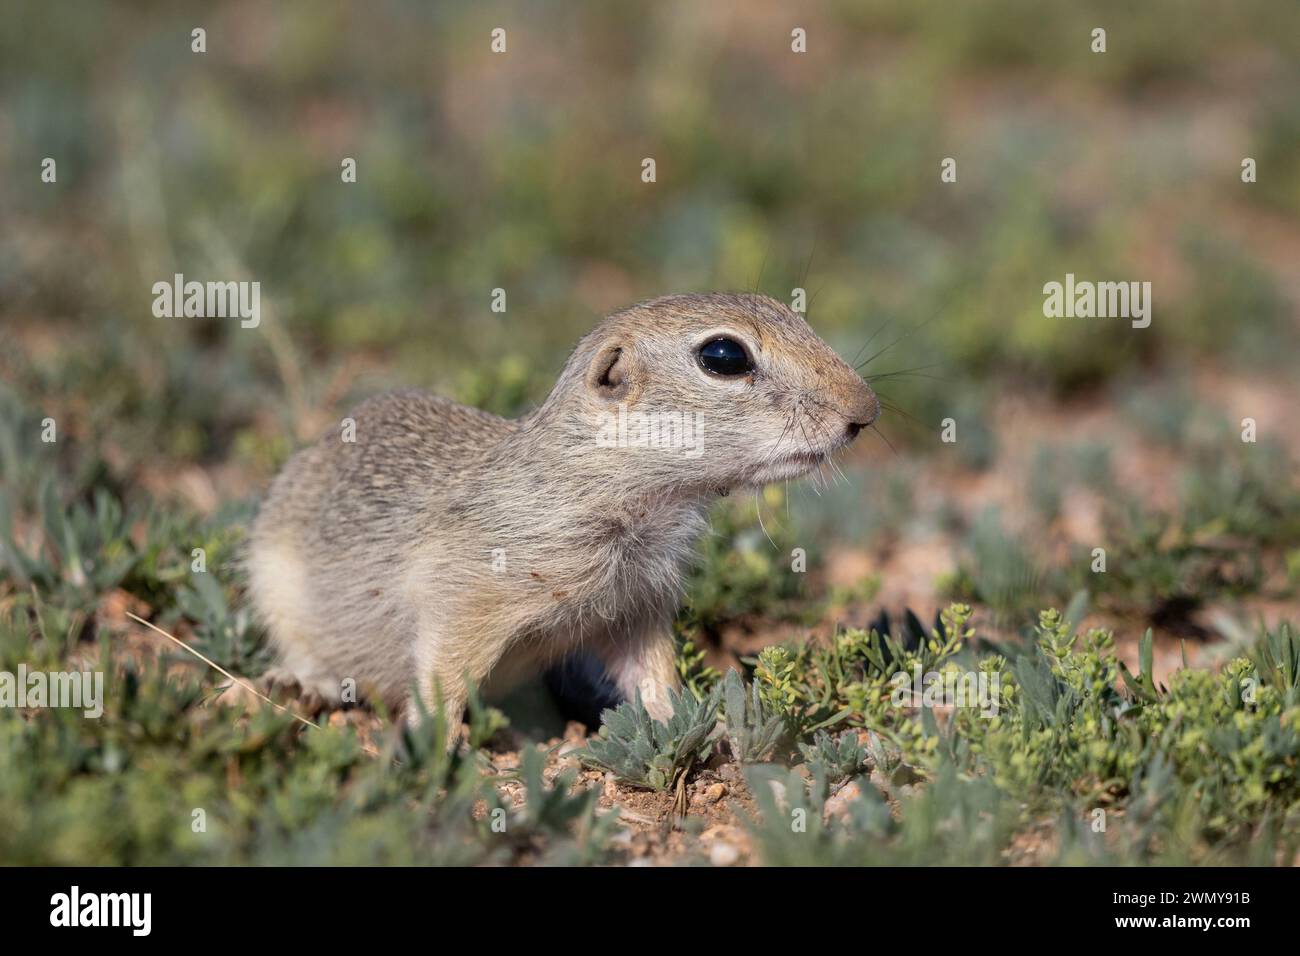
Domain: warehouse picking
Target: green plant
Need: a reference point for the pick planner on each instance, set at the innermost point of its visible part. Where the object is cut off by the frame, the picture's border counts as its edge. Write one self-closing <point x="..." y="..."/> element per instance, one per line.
<point x="125" y="788"/>
<point x="791" y="829"/>
<point x="80" y="552"/>
<point x="649" y="753"/>
<point x="565" y="825"/>
<point x="697" y="676"/>
<point x="485" y="721"/>
<point x="1277" y="656"/>
<point x="222" y="632"/>
<point x="842" y="756"/>
<point x="887" y="760"/>
<point x="851" y="677"/>
<point x="778" y="678"/>
<point x="752" y="729"/>
<point x="744" y="568"/>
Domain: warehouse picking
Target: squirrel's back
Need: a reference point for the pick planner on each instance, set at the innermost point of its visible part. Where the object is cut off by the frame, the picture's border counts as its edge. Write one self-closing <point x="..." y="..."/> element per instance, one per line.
<point x="405" y="450"/>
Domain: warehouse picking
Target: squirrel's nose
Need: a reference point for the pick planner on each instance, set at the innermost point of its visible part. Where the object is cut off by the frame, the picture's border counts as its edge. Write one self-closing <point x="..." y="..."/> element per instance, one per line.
<point x="856" y="400"/>
<point x="865" y="410"/>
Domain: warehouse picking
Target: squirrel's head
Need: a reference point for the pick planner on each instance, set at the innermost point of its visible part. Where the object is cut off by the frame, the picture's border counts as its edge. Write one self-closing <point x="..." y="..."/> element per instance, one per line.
<point x="715" y="390"/>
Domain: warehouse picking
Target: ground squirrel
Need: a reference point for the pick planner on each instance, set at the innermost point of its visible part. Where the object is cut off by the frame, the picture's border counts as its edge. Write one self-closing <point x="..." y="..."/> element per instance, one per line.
<point x="445" y="544"/>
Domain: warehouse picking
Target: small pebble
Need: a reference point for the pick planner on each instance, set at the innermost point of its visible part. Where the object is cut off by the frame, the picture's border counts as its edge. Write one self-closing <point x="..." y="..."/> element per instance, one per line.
<point x="723" y="854"/>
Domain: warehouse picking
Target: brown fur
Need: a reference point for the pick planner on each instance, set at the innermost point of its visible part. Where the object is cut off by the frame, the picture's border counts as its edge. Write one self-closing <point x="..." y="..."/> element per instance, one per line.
<point x="374" y="560"/>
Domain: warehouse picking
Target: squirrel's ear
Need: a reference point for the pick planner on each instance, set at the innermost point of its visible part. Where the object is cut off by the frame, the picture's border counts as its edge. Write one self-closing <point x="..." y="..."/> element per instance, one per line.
<point x="611" y="372"/>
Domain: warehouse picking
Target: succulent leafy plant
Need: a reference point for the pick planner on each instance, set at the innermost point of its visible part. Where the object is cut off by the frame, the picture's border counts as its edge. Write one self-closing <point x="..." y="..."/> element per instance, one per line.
<point x="887" y="760"/>
<point x="82" y="551"/>
<point x="649" y="753"/>
<point x="223" y="631"/>
<point x="840" y="757"/>
<point x="753" y="729"/>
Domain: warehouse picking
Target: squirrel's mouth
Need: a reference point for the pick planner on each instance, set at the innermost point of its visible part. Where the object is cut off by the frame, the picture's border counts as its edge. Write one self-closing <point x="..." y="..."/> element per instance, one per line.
<point x="806" y="459"/>
<point x="793" y="465"/>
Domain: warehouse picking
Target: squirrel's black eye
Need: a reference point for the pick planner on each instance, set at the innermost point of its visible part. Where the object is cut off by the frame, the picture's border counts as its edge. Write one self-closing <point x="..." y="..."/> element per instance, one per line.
<point x="725" y="357"/>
